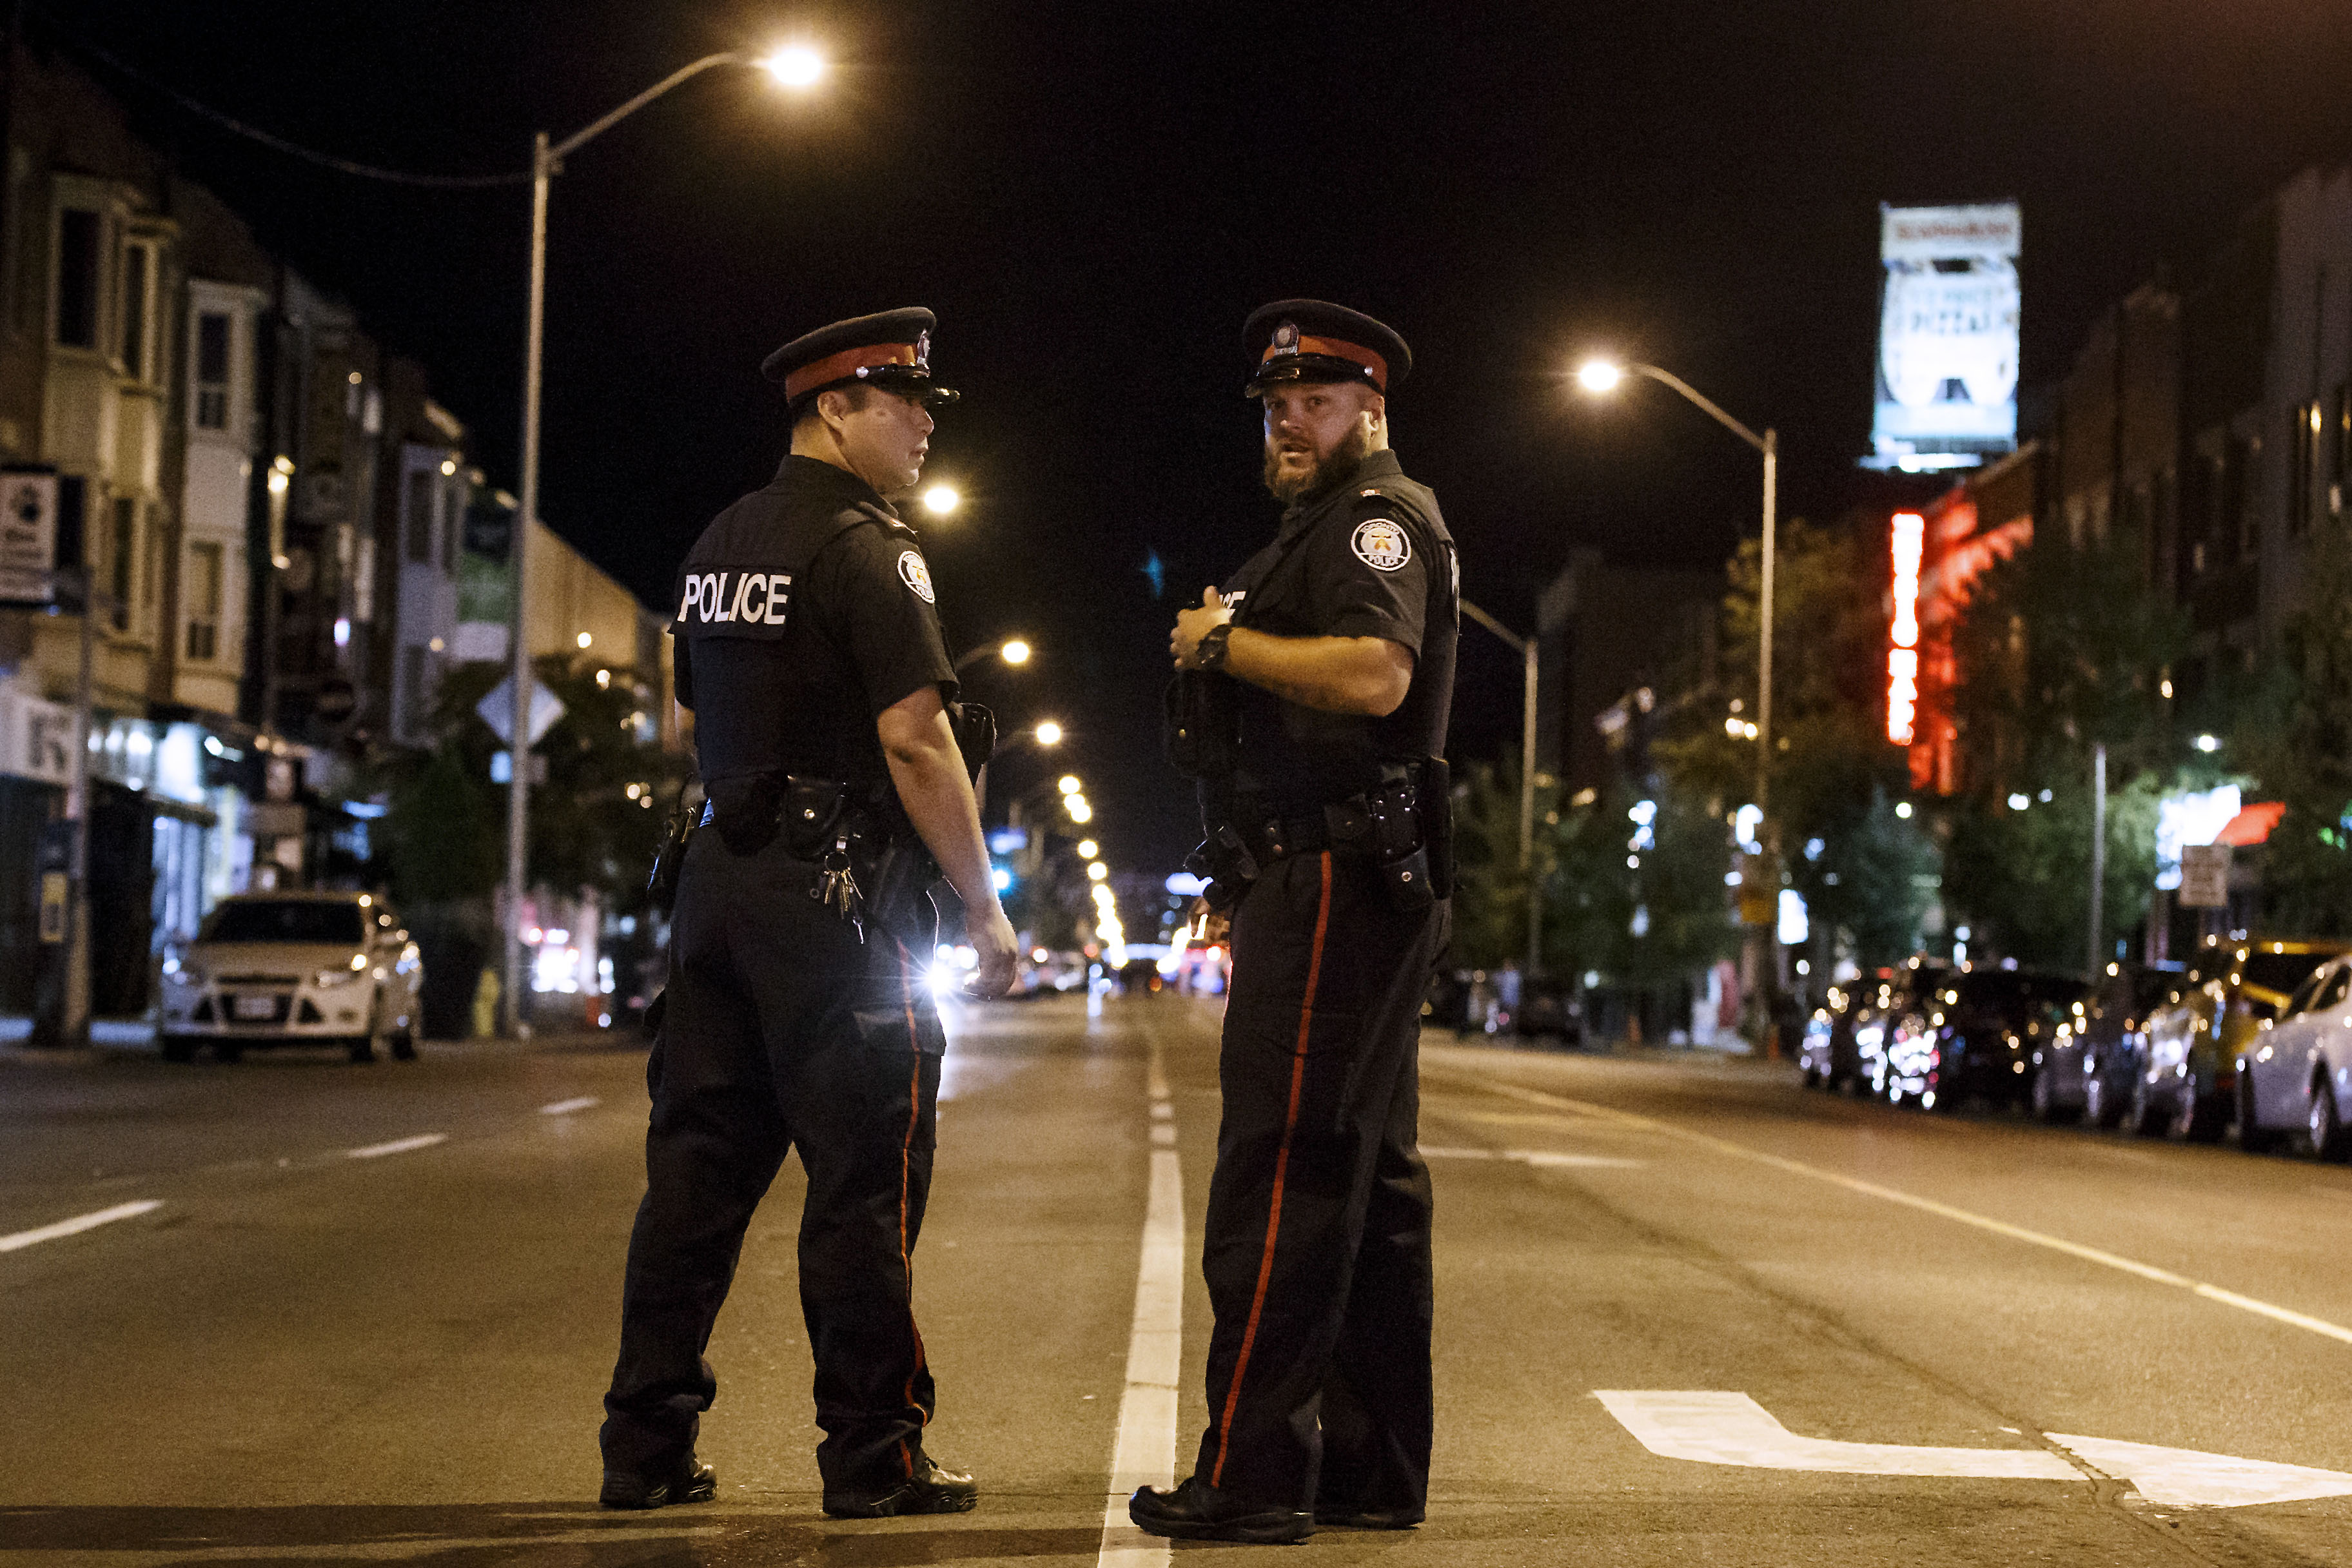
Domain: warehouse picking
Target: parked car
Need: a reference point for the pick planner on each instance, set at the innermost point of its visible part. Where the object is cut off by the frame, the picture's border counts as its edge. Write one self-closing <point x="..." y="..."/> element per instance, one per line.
<point x="1843" y="1042"/>
<point x="1550" y="1010"/>
<point x="1975" y="1033"/>
<point x="2297" y="1072"/>
<point x="2086" y="1071"/>
<point x="272" y="969"/>
<point x="2186" y="1084"/>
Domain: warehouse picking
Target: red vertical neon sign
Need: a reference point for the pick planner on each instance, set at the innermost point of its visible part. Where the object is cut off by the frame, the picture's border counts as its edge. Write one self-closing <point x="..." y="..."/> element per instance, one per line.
<point x="1903" y="657"/>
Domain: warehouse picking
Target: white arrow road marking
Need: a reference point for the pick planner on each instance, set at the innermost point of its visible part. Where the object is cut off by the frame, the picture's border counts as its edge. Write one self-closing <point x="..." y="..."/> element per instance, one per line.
<point x="566" y="1107"/>
<point x="78" y="1224"/>
<point x="1145" y="1453"/>
<point x="1547" y="1159"/>
<point x="2186" y="1477"/>
<point x="1733" y="1429"/>
<point x="1726" y="1428"/>
<point x="2147" y="1272"/>
<point x="397" y="1146"/>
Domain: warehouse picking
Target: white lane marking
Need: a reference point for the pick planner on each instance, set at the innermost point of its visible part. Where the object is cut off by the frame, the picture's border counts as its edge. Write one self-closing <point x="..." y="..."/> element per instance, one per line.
<point x="1717" y="1427"/>
<point x="1145" y="1452"/>
<point x="1549" y="1159"/>
<point x="566" y="1107"/>
<point x="2185" y="1477"/>
<point x="397" y="1146"/>
<point x="1163" y="1135"/>
<point x="1720" y="1428"/>
<point x="1943" y="1211"/>
<point x="80" y="1223"/>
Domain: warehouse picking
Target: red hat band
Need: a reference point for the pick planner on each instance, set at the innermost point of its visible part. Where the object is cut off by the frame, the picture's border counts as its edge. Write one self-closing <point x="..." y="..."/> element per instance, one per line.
<point x="1329" y="348"/>
<point x="843" y="365"/>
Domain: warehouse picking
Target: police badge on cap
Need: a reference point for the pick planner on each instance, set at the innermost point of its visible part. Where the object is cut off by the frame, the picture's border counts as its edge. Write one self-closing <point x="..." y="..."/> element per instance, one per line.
<point x="891" y="350"/>
<point x="1313" y="340"/>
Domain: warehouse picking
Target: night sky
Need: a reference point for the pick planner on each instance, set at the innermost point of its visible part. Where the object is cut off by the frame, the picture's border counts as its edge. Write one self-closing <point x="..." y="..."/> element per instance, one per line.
<point x="1093" y="196"/>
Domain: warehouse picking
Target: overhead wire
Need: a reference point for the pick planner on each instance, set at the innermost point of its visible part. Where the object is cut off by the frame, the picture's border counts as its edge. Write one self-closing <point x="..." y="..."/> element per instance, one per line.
<point x="280" y="144"/>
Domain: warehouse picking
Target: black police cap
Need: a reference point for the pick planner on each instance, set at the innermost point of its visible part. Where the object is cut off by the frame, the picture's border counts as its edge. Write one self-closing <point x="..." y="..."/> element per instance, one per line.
<point x="1313" y="340"/>
<point x="892" y="350"/>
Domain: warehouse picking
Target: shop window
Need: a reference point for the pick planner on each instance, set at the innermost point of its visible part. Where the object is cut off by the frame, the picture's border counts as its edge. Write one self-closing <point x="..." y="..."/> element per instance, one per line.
<point x="202" y="597"/>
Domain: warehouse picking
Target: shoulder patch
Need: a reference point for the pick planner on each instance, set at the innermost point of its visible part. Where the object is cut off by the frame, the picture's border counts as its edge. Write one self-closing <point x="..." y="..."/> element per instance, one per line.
<point x="1382" y="543"/>
<point x="917" y="576"/>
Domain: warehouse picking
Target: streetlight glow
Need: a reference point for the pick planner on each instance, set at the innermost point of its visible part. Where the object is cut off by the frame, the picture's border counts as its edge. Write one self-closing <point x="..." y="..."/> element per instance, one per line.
<point x="1017" y="652"/>
<point x="1097" y="870"/>
<point x="795" y="66"/>
<point x="941" y="499"/>
<point x="1599" y="376"/>
<point x="1070" y="785"/>
<point x="1049" y="733"/>
<point x="1088" y="849"/>
<point x="1080" y="812"/>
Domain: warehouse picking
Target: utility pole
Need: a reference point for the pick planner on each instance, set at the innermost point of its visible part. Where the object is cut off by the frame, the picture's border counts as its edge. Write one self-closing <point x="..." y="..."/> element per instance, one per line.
<point x="1527" y="648"/>
<point x="2092" y="964"/>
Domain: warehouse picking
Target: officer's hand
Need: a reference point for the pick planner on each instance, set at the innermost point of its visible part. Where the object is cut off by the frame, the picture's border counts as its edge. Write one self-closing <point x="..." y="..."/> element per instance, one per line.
<point x="991" y="935"/>
<point x="1207" y="924"/>
<point x="1192" y="625"/>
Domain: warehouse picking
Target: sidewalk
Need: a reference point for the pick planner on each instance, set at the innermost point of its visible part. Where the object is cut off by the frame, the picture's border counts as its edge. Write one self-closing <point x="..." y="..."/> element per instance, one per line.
<point x="105" y="1035"/>
<point x="1738" y="1052"/>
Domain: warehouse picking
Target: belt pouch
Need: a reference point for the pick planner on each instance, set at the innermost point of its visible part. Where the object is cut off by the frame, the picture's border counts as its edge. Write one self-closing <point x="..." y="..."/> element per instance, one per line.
<point x="743" y="809"/>
<point x="811" y="810"/>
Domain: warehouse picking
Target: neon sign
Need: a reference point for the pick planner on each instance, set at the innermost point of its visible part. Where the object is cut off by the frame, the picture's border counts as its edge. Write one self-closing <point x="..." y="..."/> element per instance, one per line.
<point x="1903" y="658"/>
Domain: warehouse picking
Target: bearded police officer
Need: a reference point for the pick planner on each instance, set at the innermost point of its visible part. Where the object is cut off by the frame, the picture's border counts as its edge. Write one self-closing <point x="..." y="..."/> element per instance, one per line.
<point x="1312" y="706"/>
<point x="797" y="1017"/>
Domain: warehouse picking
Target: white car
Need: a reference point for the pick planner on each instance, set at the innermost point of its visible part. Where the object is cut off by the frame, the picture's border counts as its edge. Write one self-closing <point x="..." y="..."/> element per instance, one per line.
<point x="270" y="969"/>
<point x="2297" y="1072"/>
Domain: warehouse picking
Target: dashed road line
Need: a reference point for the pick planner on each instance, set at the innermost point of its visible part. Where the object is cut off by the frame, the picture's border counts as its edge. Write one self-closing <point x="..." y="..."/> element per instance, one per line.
<point x="397" y="1146"/>
<point x="78" y="1224"/>
<point x="1943" y="1211"/>
<point x="1549" y="1159"/>
<point x="566" y="1107"/>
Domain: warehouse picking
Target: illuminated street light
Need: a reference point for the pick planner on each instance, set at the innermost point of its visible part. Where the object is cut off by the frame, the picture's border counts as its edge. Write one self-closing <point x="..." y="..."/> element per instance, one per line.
<point x="1599" y="376"/>
<point x="1048" y="733"/>
<point x="1097" y="870"/>
<point x="1088" y="849"/>
<point x="1015" y="652"/>
<point x="1080" y="812"/>
<point x="941" y="499"/>
<point x="794" y="67"/>
<point x="1070" y="785"/>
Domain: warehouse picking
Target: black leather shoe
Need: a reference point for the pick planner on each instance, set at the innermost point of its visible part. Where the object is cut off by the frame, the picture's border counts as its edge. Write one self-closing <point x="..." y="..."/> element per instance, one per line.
<point x="1196" y="1510"/>
<point x="688" y="1482"/>
<point x="929" y="1490"/>
<point x="1341" y="1516"/>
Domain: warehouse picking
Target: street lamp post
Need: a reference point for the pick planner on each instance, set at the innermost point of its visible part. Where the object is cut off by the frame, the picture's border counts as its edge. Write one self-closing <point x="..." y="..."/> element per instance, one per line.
<point x="792" y="68"/>
<point x="1526" y="649"/>
<point x="1603" y="377"/>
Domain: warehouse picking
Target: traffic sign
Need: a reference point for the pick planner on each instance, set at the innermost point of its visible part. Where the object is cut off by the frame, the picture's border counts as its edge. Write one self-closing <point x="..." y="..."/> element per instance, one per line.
<point x="29" y="537"/>
<point x="498" y="711"/>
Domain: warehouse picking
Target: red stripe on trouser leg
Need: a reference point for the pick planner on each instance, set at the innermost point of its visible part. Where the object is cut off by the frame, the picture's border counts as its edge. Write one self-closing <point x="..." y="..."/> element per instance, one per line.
<point x="1281" y="1169"/>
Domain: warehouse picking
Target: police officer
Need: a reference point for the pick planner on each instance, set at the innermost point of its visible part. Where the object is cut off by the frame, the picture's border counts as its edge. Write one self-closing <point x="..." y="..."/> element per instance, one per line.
<point x="797" y="1017"/>
<point x="1316" y="686"/>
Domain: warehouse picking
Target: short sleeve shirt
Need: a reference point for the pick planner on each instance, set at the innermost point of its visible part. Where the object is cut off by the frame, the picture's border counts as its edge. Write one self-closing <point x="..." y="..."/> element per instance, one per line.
<point x="1351" y="562"/>
<point x="796" y="630"/>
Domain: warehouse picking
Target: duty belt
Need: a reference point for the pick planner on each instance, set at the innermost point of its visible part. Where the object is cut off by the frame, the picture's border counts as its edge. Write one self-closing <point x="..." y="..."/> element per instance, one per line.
<point x="1343" y="827"/>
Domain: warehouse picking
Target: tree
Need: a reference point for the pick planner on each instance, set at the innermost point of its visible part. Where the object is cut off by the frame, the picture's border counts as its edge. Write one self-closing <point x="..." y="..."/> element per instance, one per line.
<point x="2064" y="648"/>
<point x="2294" y="732"/>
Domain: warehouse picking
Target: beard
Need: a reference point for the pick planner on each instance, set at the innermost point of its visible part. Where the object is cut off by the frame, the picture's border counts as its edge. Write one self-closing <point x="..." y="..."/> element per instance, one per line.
<point x="1295" y="485"/>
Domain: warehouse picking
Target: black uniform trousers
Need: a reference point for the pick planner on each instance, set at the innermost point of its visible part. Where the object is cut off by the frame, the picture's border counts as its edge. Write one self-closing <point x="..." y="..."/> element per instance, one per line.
<point x="782" y="1031"/>
<point x="1317" y="1238"/>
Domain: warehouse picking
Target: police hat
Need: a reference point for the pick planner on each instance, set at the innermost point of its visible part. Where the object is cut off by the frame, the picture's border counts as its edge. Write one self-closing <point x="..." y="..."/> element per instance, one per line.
<point x="1309" y="339"/>
<point x="892" y="350"/>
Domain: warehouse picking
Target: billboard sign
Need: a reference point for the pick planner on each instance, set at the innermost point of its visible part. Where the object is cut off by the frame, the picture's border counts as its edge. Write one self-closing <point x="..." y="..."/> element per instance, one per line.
<point x="1947" y="336"/>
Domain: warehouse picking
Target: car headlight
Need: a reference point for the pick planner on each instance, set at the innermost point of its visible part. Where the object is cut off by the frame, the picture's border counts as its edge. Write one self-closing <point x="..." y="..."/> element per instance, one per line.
<point x="350" y="971"/>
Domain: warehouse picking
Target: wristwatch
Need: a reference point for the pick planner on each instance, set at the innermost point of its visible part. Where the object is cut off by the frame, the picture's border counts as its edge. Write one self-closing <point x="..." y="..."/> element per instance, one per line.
<point x="1211" y="650"/>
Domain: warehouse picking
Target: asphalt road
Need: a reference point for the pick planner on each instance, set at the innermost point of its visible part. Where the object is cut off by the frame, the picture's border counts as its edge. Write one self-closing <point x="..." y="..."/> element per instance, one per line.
<point x="372" y="1310"/>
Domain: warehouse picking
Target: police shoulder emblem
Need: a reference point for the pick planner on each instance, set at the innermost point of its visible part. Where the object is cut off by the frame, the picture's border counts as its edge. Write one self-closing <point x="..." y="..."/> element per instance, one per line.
<point x="1382" y="543"/>
<point x="1286" y="338"/>
<point x="916" y="576"/>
